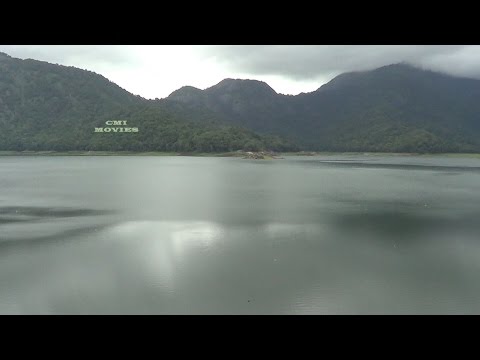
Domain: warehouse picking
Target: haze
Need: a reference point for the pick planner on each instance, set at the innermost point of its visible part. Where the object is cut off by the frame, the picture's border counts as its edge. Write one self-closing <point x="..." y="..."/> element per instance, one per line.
<point x="154" y="71"/>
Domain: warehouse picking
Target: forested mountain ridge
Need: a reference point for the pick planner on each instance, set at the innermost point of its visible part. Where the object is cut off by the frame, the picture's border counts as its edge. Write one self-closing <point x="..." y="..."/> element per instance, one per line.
<point x="396" y="108"/>
<point x="248" y="103"/>
<point x="53" y="107"/>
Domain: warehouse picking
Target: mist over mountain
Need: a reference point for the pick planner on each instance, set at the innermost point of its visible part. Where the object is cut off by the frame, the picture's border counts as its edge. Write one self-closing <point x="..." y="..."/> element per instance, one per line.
<point x="395" y="108"/>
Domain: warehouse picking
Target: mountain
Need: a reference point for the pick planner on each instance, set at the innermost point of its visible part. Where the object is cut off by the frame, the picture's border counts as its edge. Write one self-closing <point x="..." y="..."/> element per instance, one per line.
<point x="52" y="107"/>
<point x="396" y="108"/>
<point x="247" y="103"/>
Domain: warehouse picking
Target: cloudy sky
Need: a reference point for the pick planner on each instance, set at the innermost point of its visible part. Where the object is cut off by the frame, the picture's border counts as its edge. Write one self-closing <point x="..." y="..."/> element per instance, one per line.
<point x="154" y="71"/>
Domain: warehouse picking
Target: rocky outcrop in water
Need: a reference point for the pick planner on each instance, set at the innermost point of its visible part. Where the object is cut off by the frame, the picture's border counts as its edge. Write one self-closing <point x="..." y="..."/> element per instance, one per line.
<point x="261" y="155"/>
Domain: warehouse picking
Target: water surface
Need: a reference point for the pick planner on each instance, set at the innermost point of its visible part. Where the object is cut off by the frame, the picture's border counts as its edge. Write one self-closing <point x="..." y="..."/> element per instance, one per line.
<point x="185" y="235"/>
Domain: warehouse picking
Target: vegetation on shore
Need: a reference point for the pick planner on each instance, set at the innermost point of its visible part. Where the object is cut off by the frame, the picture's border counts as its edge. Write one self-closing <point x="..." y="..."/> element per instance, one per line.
<point x="237" y="154"/>
<point x="47" y="107"/>
<point x="394" y="109"/>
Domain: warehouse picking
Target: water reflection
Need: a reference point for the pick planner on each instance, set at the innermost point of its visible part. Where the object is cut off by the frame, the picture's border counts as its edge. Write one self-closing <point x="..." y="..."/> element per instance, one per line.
<point x="48" y="212"/>
<point x="369" y="165"/>
<point x="165" y="247"/>
<point x="24" y="225"/>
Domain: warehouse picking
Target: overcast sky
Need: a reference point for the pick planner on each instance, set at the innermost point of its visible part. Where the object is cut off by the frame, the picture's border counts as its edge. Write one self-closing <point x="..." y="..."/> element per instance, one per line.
<point x="154" y="71"/>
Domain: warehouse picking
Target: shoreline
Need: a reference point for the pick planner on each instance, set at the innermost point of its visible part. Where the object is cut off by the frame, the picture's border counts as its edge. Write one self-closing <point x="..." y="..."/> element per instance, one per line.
<point x="227" y="154"/>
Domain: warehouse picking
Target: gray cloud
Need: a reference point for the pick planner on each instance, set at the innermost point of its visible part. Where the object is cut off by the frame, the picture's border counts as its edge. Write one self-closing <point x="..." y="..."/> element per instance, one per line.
<point x="95" y="55"/>
<point x="156" y="71"/>
<point x="306" y="62"/>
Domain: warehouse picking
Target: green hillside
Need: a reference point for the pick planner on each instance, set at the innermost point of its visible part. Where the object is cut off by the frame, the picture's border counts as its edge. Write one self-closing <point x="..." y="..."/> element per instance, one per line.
<point x="397" y="108"/>
<point x="51" y="107"/>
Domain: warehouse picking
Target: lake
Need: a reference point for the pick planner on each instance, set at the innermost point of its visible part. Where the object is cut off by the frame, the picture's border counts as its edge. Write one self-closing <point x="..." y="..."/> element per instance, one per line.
<point x="332" y="234"/>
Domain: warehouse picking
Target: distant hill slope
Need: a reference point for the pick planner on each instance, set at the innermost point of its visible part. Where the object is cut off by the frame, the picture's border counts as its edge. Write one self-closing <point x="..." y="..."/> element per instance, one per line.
<point x="396" y="108"/>
<point x="51" y="107"/>
<point x="249" y="103"/>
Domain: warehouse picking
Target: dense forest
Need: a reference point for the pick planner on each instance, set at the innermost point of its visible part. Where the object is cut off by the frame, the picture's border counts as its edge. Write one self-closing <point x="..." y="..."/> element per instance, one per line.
<point x="51" y="107"/>
<point x="396" y="108"/>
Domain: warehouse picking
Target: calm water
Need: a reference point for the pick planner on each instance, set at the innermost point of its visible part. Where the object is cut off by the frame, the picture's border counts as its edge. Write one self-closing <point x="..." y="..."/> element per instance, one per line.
<point x="181" y="235"/>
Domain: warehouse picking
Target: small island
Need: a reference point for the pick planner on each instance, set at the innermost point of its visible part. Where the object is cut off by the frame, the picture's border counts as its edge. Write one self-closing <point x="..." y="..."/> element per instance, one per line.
<point x="260" y="155"/>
